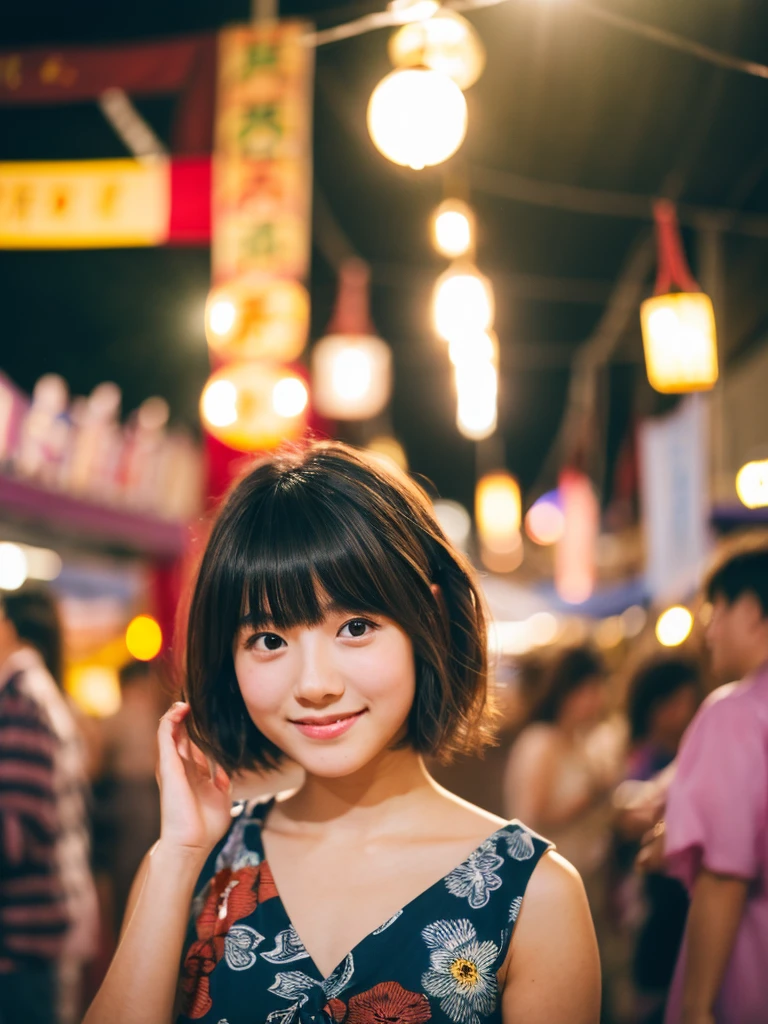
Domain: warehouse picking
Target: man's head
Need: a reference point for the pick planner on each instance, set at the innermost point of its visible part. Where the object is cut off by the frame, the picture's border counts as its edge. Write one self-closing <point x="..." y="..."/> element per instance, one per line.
<point x="737" y="634"/>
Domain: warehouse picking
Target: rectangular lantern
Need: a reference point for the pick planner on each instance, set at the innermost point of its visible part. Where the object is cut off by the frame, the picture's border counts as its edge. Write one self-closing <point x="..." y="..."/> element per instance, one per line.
<point x="680" y="342"/>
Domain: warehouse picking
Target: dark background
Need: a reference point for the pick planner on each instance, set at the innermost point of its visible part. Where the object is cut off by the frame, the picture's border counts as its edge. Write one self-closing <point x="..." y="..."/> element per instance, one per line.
<point x="564" y="98"/>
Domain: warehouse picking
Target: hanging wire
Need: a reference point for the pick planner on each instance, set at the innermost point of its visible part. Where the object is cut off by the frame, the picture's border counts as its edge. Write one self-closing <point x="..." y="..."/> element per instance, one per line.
<point x="389" y="19"/>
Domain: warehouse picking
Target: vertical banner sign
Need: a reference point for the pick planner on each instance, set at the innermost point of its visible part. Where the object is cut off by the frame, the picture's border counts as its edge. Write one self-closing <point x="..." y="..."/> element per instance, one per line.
<point x="263" y="151"/>
<point x="675" y="499"/>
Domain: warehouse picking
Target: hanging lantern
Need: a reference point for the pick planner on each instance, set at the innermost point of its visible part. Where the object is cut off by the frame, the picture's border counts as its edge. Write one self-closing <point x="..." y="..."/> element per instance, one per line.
<point x="477" y="388"/>
<point x="463" y="304"/>
<point x="453" y="228"/>
<point x="678" y="323"/>
<point x="575" y="566"/>
<point x="752" y="484"/>
<point x="446" y="42"/>
<point x="254" y="406"/>
<point x="351" y="366"/>
<point x="417" y="118"/>
<point x="497" y="515"/>
<point x="256" y="317"/>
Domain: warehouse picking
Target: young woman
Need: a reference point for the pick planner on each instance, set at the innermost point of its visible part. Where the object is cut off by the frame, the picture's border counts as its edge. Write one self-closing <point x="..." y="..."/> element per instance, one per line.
<point x="333" y="624"/>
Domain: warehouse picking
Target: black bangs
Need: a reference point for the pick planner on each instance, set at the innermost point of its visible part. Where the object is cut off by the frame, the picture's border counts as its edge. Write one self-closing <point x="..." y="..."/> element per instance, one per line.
<point x="308" y="549"/>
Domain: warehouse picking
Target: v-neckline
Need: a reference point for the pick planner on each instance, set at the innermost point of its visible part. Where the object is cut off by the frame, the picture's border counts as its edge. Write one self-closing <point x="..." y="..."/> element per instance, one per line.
<point x="324" y="978"/>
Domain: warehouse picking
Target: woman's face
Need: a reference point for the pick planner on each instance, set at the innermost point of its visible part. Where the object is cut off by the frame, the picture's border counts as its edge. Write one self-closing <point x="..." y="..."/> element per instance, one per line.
<point x="333" y="696"/>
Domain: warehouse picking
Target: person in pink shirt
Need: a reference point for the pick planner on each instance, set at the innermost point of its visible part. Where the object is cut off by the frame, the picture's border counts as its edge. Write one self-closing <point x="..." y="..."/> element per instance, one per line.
<point x="716" y="823"/>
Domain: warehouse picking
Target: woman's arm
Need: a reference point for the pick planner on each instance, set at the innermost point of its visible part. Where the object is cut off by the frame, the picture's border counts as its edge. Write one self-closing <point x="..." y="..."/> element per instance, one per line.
<point x="713" y="921"/>
<point x="140" y="986"/>
<point x="553" y="972"/>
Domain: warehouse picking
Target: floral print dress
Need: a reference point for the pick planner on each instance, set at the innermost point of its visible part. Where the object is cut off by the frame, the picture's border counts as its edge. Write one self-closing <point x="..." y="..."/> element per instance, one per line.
<point x="436" y="959"/>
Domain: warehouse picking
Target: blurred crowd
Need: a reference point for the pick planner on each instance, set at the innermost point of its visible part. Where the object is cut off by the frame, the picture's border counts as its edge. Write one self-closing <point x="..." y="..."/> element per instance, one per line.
<point x="642" y="770"/>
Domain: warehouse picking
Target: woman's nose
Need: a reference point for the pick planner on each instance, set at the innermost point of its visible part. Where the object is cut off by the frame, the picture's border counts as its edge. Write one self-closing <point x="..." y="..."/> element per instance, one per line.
<point x="319" y="677"/>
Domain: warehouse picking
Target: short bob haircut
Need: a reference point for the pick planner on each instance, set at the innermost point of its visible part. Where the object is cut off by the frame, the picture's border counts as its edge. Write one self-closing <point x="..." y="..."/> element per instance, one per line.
<point x="328" y="522"/>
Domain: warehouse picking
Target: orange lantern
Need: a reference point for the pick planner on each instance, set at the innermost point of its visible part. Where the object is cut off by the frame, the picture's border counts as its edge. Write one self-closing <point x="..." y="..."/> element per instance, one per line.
<point x="497" y="515"/>
<point x="254" y="406"/>
<point x="257" y="317"/>
<point x="678" y="326"/>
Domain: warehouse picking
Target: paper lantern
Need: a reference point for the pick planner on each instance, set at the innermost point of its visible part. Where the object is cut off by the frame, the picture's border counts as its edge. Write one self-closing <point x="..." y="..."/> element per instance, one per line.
<point x="678" y="323"/>
<point x="453" y="228"/>
<point x="446" y="42"/>
<point x="575" y="565"/>
<point x="497" y="516"/>
<point x="752" y="484"/>
<point x="417" y="118"/>
<point x="463" y="303"/>
<point x="477" y="387"/>
<point x="254" y="406"/>
<point x="351" y="376"/>
<point x="257" y="317"/>
<point x="351" y="365"/>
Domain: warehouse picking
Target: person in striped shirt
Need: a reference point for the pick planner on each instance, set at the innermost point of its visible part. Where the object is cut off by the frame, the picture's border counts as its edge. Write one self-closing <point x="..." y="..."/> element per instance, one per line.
<point x="47" y="897"/>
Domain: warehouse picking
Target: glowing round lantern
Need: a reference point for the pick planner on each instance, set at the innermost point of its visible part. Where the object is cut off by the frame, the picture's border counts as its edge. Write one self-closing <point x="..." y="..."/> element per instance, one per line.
<point x="257" y="317"/>
<point x="674" y="626"/>
<point x="453" y="228"/>
<point x="351" y="376"/>
<point x="144" y="638"/>
<point x="497" y="515"/>
<point x="417" y="118"/>
<point x="752" y="484"/>
<point x="254" y="406"/>
<point x="463" y="304"/>
<point x="446" y="42"/>
<point x="678" y="323"/>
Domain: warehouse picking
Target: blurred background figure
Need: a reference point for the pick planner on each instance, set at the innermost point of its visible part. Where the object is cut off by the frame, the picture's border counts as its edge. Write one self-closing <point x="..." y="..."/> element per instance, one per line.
<point x="48" y="915"/>
<point x="662" y="699"/>
<point x="128" y="795"/>
<point x="560" y="775"/>
<point x="716" y="839"/>
<point x="556" y="778"/>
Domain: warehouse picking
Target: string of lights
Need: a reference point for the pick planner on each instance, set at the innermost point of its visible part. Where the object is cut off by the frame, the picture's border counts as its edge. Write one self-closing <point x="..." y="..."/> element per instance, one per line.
<point x="395" y="16"/>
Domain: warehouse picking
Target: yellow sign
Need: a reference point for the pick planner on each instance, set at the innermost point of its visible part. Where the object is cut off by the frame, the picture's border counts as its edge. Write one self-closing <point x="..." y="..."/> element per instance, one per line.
<point x="263" y="146"/>
<point x="84" y="204"/>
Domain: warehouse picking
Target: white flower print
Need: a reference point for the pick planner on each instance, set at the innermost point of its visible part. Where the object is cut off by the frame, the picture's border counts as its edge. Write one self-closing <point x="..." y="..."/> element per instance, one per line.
<point x="514" y="909"/>
<point x="476" y="878"/>
<point x="288" y="948"/>
<point x="339" y="978"/>
<point x="519" y="844"/>
<point x="293" y="985"/>
<point x="391" y="921"/>
<point x="461" y="973"/>
<point x="240" y="945"/>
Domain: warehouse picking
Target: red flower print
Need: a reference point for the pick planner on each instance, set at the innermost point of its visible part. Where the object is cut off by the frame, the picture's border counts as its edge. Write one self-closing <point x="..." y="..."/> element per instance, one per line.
<point x="336" y="1009"/>
<point x="389" y="1003"/>
<point x="231" y="896"/>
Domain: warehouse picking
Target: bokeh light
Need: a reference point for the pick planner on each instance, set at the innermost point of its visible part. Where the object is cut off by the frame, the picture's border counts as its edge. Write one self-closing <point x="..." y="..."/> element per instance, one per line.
<point x="674" y="626"/>
<point x="144" y="638"/>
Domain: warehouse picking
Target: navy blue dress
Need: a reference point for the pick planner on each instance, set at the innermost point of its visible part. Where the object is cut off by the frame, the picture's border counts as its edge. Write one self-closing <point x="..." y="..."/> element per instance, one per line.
<point x="436" y="959"/>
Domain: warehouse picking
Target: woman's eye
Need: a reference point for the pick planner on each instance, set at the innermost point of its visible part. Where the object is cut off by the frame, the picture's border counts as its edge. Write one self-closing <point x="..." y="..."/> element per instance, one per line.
<point x="357" y="628"/>
<point x="264" y="642"/>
